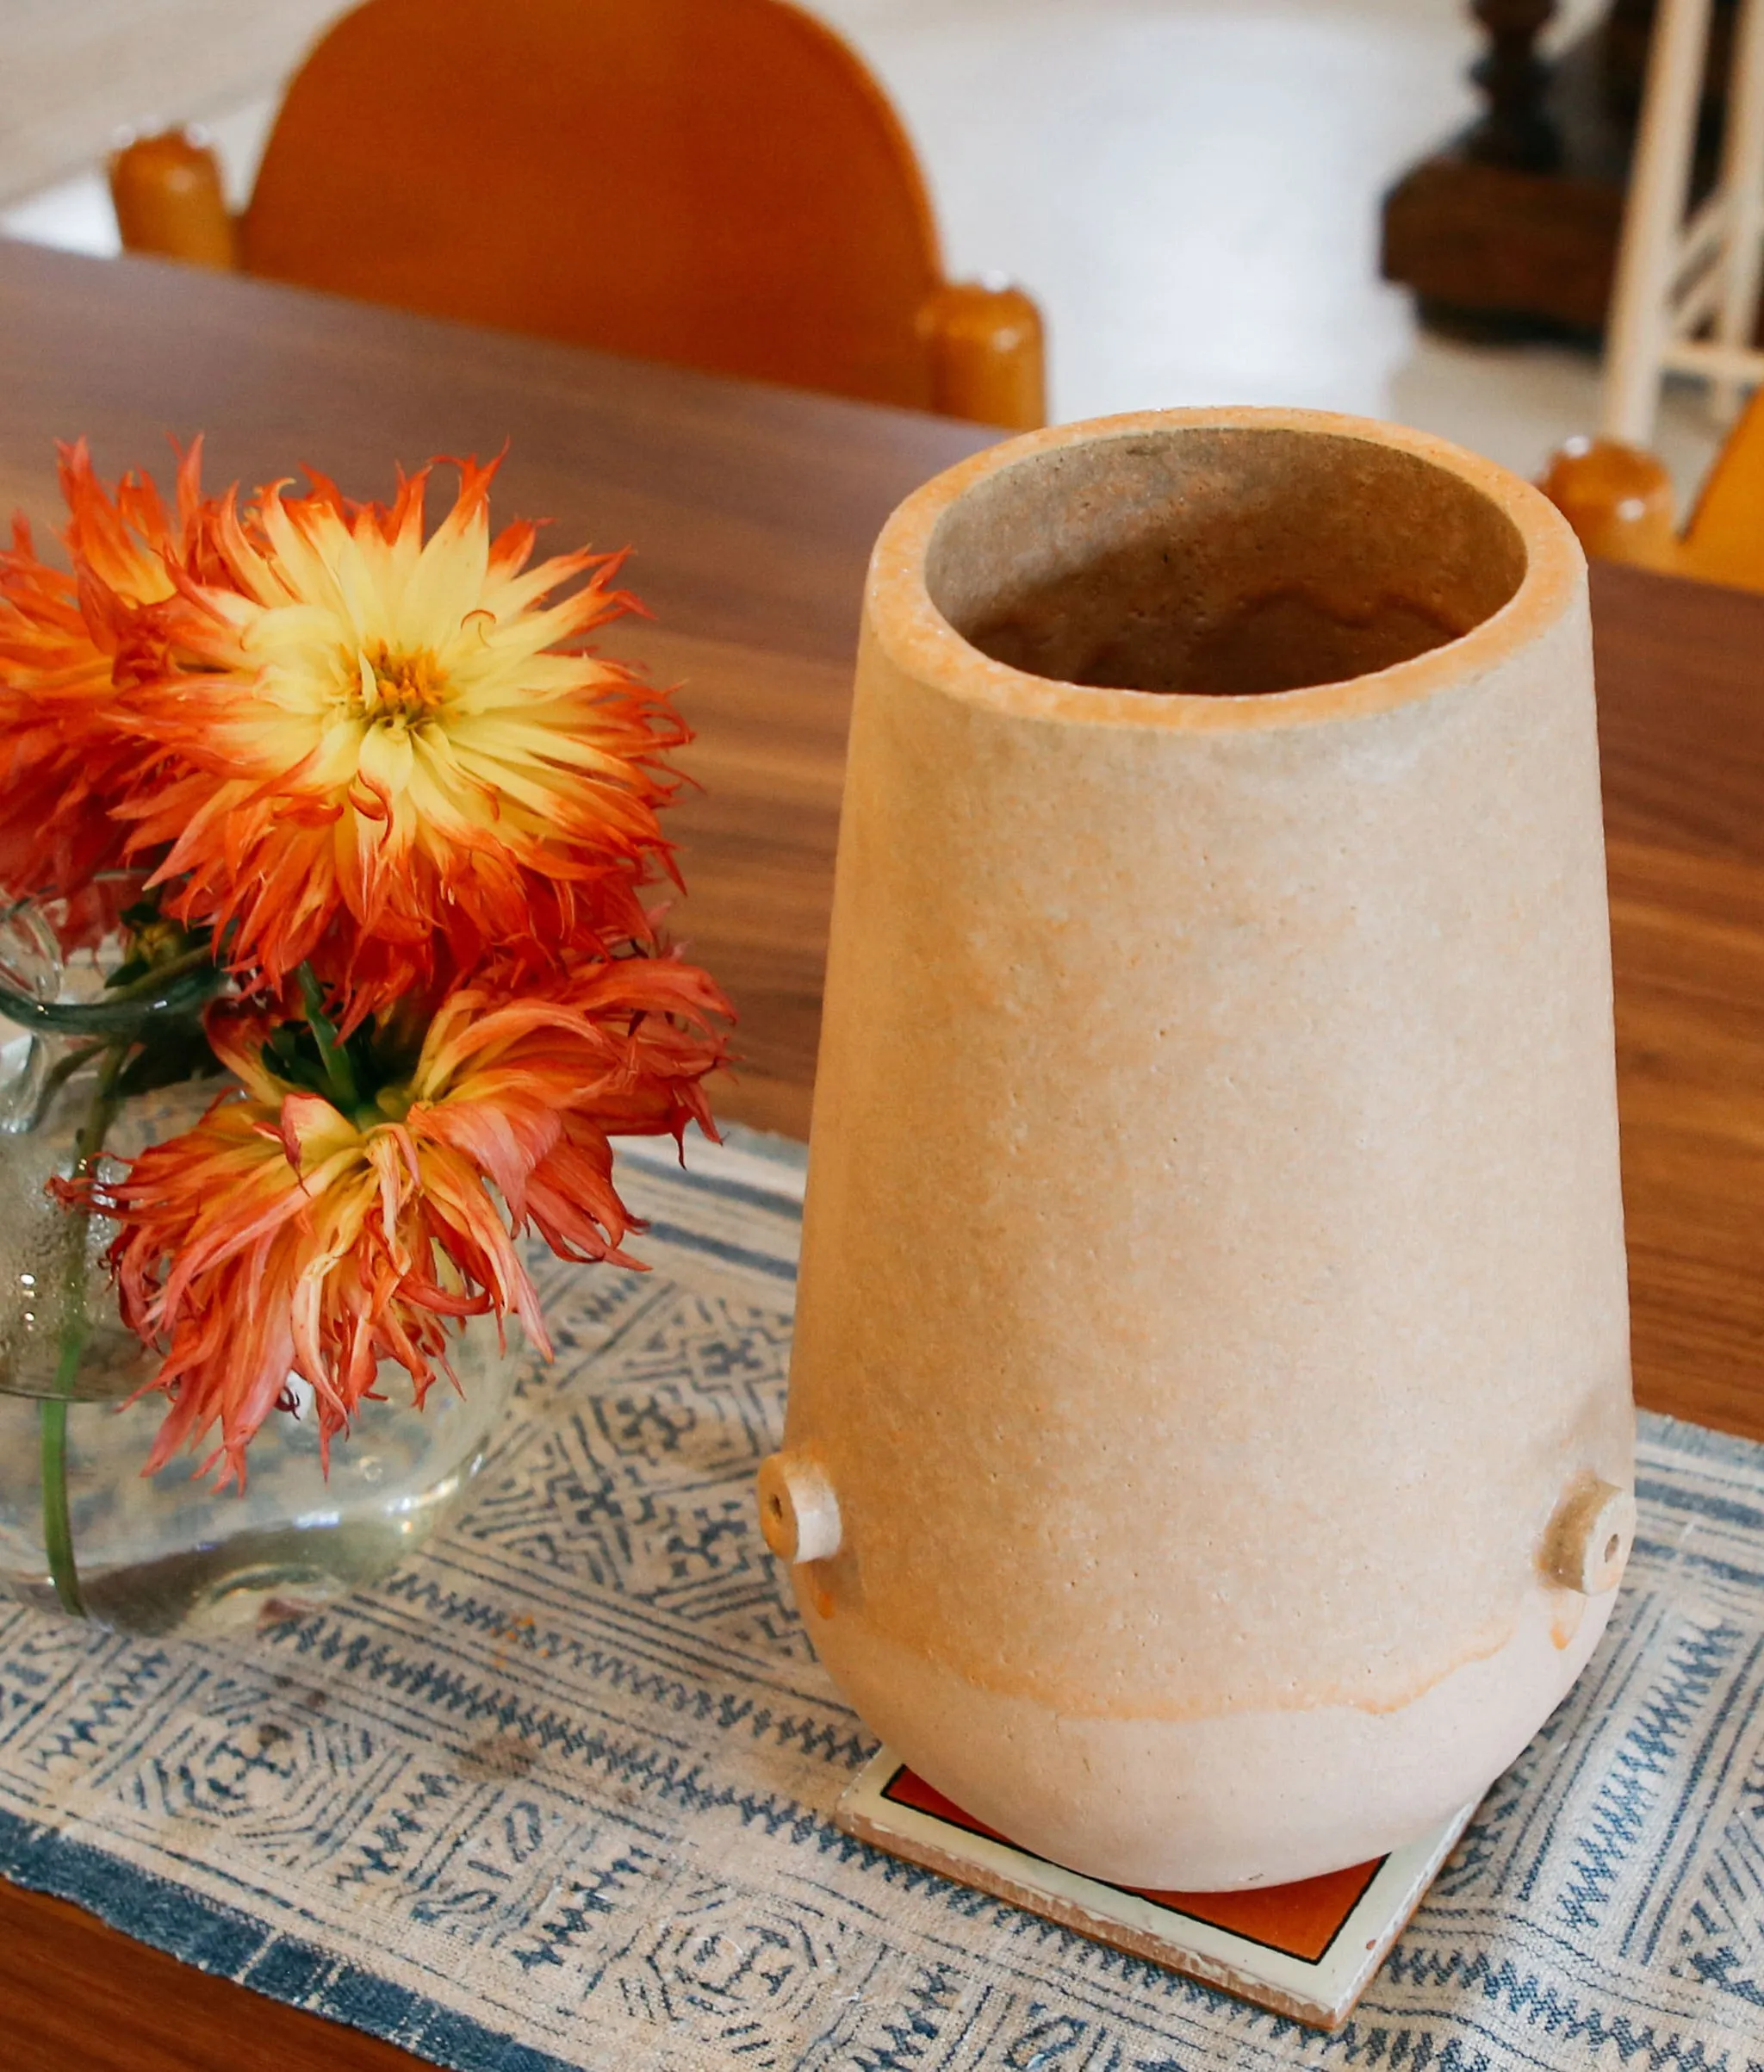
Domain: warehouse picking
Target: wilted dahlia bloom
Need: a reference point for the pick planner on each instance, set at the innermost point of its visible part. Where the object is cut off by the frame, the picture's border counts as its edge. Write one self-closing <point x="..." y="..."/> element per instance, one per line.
<point x="293" y="1235"/>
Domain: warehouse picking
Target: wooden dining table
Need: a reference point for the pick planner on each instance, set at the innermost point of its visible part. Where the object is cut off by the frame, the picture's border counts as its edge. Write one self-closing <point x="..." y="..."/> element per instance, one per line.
<point x="751" y="511"/>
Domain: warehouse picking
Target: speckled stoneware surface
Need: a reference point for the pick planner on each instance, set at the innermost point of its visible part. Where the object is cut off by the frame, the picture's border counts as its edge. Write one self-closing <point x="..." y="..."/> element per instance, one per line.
<point x="1210" y="1404"/>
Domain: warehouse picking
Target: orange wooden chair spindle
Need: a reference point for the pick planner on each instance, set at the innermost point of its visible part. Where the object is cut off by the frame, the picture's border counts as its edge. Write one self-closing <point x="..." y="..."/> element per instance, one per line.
<point x="720" y="184"/>
<point x="1618" y="499"/>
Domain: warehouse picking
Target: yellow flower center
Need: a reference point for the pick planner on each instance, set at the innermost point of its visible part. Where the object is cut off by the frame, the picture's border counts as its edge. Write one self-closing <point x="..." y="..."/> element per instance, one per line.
<point x="398" y="689"/>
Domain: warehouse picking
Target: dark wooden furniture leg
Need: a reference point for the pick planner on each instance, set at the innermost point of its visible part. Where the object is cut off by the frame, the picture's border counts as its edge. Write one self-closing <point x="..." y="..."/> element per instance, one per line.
<point x="1511" y="228"/>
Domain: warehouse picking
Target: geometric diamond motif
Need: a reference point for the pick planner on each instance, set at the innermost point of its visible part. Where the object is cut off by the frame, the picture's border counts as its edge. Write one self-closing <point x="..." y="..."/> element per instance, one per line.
<point x="640" y="1482"/>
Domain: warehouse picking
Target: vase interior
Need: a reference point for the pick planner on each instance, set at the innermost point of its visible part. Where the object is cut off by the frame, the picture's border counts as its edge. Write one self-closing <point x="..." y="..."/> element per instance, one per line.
<point x="1222" y="560"/>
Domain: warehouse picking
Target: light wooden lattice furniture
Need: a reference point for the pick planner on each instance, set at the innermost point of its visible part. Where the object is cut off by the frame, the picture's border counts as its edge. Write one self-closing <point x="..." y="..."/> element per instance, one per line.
<point x="1686" y="301"/>
<point x="720" y="184"/>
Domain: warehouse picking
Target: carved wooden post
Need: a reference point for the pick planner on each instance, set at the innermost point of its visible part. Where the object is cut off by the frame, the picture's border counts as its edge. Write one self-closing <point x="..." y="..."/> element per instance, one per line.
<point x="1517" y="130"/>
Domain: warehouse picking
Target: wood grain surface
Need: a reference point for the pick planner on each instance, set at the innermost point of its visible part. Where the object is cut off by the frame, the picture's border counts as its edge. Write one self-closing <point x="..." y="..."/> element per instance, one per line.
<point x="1681" y="672"/>
<point x="753" y="510"/>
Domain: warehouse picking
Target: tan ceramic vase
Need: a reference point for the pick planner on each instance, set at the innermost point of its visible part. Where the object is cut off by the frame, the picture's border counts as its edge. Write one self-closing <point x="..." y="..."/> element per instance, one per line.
<point x="1209" y="1446"/>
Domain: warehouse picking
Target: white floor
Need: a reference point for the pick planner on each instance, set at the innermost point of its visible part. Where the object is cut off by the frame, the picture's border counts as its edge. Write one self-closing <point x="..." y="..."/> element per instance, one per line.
<point x="1191" y="188"/>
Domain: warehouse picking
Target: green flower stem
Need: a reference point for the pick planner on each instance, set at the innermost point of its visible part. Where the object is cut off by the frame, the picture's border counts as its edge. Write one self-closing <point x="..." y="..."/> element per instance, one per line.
<point x="339" y="1072"/>
<point x="182" y="986"/>
<point x="57" y="1523"/>
<point x="152" y="984"/>
<point x="62" y="1071"/>
<point x="57" y="1526"/>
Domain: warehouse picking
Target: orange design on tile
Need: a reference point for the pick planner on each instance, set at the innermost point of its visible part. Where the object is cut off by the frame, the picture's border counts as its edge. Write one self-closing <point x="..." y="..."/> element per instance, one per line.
<point x="1300" y="1920"/>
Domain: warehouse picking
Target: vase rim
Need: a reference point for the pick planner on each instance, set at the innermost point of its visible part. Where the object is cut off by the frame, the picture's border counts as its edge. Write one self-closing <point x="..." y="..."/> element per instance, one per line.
<point x="901" y="615"/>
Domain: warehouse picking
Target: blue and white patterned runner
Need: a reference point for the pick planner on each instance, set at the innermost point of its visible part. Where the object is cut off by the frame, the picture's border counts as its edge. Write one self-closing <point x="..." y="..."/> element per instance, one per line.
<point x="558" y="1794"/>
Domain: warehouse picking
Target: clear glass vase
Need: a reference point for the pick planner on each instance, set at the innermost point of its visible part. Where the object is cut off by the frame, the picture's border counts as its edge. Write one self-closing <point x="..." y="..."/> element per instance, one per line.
<point x="167" y="1553"/>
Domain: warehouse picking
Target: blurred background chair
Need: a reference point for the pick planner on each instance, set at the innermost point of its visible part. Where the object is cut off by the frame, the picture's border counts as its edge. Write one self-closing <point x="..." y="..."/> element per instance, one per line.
<point x="720" y="184"/>
<point x="1686" y="301"/>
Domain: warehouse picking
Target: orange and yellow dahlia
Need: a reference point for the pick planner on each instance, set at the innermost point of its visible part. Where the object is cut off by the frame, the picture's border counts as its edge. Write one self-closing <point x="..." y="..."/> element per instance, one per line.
<point x="67" y="751"/>
<point x="370" y="770"/>
<point x="388" y="752"/>
<point x="288" y="1235"/>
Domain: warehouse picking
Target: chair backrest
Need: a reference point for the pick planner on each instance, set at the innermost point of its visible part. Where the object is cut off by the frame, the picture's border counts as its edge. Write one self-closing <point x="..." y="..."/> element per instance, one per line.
<point x="1724" y="542"/>
<point x="715" y="183"/>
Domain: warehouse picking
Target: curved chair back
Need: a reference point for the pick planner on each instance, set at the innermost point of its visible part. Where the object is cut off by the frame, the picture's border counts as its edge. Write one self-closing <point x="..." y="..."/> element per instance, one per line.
<point x="715" y="183"/>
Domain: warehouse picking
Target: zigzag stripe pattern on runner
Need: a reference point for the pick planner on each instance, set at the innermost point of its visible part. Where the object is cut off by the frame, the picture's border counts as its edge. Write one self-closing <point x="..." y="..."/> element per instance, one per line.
<point x="558" y="1794"/>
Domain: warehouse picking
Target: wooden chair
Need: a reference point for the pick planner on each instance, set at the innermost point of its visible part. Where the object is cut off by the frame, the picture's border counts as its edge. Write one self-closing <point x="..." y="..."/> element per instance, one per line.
<point x="1685" y="301"/>
<point x="715" y="183"/>
<point x="1619" y="500"/>
<point x="1686" y="296"/>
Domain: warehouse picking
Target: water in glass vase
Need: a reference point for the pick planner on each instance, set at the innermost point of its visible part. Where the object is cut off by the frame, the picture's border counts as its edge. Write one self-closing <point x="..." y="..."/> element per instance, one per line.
<point x="167" y="1553"/>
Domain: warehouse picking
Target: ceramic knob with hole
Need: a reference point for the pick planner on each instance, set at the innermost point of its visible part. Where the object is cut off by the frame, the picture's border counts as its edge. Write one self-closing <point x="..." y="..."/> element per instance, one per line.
<point x="1208" y="1457"/>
